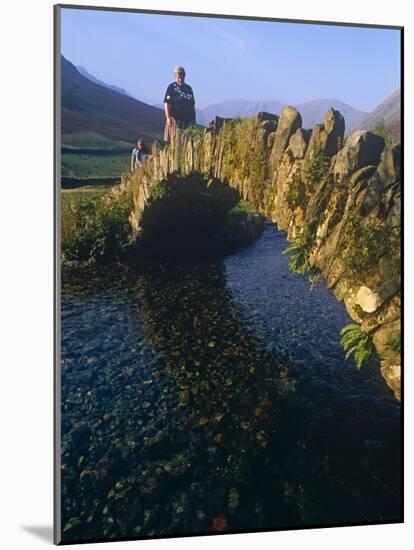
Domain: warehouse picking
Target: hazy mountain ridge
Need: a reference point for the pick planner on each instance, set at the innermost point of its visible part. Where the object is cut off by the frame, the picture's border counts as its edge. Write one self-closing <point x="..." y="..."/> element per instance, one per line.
<point x="92" y="78"/>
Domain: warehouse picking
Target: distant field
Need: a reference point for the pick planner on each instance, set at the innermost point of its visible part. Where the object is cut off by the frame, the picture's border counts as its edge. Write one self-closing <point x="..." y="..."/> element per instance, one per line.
<point x="93" y="140"/>
<point x="81" y="165"/>
<point x="92" y="156"/>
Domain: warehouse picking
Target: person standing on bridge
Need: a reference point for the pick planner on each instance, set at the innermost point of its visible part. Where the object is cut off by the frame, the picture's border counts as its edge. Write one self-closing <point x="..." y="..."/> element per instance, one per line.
<point x="179" y="105"/>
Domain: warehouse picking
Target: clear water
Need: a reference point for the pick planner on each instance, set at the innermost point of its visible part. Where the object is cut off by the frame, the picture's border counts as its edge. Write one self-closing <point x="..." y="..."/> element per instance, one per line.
<point x="215" y="397"/>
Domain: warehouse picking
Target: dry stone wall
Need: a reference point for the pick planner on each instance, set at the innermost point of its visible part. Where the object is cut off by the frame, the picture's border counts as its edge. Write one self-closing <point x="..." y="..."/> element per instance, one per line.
<point x="342" y="198"/>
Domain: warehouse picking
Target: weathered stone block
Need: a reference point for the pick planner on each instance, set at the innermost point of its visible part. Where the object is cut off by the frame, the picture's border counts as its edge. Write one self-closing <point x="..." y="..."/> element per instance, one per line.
<point x="289" y="121"/>
<point x="362" y="148"/>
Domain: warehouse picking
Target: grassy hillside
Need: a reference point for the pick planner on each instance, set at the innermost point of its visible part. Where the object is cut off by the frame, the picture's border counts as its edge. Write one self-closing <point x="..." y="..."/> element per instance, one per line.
<point x="99" y="128"/>
<point x="89" y="107"/>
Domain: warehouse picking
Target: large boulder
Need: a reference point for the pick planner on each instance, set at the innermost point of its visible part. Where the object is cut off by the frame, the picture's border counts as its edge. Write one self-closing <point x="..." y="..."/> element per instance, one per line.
<point x="289" y="121"/>
<point x="333" y="132"/>
<point x="298" y="143"/>
<point x="383" y="186"/>
<point x="362" y="148"/>
<point x="326" y="138"/>
<point x="367" y="299"/>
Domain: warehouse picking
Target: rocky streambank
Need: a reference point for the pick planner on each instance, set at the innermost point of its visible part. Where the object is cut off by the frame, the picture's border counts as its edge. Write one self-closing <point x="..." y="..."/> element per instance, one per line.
<point x="339" y="200"/>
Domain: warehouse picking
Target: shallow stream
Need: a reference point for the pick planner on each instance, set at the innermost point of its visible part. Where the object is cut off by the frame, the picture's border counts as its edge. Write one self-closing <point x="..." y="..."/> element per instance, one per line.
<point x="215" y="397"/>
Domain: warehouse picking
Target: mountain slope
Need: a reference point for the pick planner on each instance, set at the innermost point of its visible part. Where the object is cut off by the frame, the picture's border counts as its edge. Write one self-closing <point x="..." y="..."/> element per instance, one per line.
<point x="90" y="107"/>
<point x="389" y="112"/>
<point x="92" y="78"/>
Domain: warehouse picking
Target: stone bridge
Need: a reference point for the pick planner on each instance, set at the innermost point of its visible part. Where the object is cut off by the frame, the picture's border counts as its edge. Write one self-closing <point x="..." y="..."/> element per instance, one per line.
<point x="338" y="198"/>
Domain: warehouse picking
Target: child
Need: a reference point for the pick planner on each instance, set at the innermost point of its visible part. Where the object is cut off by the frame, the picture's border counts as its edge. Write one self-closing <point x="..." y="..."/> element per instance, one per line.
<point x="138" y="155"/>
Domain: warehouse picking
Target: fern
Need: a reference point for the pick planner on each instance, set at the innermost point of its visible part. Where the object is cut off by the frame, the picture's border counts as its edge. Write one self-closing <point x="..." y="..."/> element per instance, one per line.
<point x="357" y="343"/>
<point x="299" y="262"/>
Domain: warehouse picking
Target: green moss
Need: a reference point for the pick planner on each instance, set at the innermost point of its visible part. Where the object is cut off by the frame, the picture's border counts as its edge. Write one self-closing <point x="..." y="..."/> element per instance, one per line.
<point x="364" y="241"/>
<point x="245" y="157"/>
<point x="231" y="136"/>
<point x="317" y="168"/>
<point x="296" y="195"/>
<point x="395" y="342"/>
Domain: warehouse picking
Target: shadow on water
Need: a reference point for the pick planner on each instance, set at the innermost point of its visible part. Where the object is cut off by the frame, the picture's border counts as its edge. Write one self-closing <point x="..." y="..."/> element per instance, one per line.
<point x="176" y="419"/>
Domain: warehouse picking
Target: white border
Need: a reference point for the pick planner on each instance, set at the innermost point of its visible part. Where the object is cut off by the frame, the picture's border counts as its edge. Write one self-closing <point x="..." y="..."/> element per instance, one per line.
<point x="26" y="217"/>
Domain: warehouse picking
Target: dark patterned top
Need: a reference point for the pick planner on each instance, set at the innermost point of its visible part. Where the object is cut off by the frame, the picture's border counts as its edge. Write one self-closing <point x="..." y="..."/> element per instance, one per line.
<point x="181" y="99"/>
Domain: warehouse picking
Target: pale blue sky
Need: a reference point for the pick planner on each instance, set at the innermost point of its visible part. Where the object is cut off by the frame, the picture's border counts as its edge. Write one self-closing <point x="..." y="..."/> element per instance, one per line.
<point x="227" y="59"/>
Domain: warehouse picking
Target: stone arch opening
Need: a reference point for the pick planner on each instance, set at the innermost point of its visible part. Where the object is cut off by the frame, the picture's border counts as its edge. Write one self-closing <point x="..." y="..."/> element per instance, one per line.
<point x="191" y="216"/>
